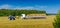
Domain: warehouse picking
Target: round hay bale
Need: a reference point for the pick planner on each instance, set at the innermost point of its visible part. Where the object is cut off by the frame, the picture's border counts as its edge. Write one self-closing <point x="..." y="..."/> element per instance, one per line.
<point x="17" y="17"/>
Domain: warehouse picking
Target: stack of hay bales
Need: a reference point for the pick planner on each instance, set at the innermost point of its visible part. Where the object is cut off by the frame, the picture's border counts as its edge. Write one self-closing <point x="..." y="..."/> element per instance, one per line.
<point x="36" y="14"/>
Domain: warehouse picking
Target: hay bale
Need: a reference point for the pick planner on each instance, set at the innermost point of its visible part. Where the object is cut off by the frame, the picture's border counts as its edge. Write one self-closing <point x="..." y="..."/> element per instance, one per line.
<point x="17" y="17"/>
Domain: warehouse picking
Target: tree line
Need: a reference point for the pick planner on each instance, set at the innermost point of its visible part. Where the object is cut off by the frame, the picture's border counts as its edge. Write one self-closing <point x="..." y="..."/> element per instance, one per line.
<point x="6" y="12"/>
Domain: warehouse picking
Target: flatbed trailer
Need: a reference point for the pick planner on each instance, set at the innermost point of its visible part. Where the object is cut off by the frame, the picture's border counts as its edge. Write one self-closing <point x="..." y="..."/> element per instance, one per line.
<point x="34" y="17"/>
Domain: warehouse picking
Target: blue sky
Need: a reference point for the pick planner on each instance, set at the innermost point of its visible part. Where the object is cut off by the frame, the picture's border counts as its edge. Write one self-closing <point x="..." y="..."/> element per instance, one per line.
<point x="51" y="6"/>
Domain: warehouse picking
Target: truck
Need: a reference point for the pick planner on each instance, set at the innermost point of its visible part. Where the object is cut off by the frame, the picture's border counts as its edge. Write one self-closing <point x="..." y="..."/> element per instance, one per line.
<point x="32" y="17"/>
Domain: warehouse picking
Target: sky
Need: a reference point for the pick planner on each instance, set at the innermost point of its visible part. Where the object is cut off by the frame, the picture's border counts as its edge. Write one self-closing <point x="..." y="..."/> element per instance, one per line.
<point x="50" y="6"/>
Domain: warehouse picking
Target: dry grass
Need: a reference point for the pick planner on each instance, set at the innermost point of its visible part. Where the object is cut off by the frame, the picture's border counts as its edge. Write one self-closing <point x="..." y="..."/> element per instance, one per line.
<point x="27" y="23"/>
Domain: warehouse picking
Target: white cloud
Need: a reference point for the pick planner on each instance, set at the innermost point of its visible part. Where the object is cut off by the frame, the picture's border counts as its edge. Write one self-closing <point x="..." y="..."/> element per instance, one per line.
<point x="33" y="7"/>
<point x="28" y="7"/>
<point x="41" y="7"/>
<point x="7" y="6"/>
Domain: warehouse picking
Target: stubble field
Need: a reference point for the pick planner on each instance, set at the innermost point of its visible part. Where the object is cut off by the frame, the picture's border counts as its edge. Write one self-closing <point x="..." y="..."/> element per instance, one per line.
<point x="27" y="23"/>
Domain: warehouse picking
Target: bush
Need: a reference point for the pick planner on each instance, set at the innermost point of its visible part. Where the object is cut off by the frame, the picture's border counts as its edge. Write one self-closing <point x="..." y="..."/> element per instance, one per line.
<point x="57" y="20"/>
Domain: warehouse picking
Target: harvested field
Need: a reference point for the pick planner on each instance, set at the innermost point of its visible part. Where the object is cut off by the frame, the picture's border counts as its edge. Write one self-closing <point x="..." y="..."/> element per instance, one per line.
<point x="27" y="23"/>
